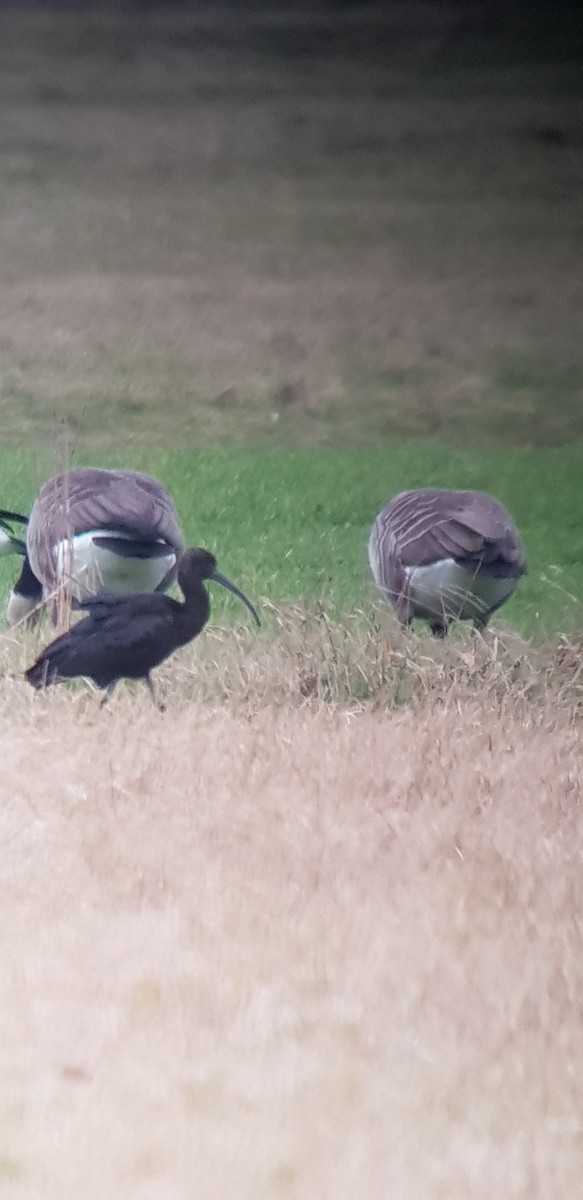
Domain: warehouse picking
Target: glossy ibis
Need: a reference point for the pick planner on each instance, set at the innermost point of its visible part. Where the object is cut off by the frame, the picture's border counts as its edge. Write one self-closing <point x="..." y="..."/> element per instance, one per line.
<point x="94" y="532"/>
<point x="125" y="637"/>
<point x="445" y="555"/>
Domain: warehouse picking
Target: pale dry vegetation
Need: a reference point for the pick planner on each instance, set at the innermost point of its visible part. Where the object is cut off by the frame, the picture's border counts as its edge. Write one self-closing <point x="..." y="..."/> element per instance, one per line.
<point x="269" y="944"/>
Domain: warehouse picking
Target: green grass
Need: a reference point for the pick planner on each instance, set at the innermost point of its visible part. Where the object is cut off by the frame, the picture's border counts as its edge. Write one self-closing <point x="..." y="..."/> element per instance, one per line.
<point x="292" y="525"/>
<point x="291" y="240"/>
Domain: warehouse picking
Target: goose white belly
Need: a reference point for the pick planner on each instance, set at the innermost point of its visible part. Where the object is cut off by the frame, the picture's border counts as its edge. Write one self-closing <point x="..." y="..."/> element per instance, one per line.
<point x="448" y="588"/>
<point x="92" y="568"/>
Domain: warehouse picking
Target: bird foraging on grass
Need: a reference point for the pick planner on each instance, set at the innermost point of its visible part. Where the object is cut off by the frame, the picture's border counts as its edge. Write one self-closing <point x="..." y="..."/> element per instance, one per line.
<point x="125" y="637"/>
<point x="444" y="556"/>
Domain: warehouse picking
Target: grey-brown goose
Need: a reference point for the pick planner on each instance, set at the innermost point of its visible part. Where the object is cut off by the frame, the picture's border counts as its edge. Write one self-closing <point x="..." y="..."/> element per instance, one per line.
<point x="94" y="531"/>
<point x="445" y="555"/>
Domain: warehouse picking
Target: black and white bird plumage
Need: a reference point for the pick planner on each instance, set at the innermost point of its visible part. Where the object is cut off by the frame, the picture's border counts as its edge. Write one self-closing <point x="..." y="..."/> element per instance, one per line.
<point x="94" y="531"/>
<point x="443" y="555"/>
<point x="10" y="542"/>
<point x="125" y="637"/>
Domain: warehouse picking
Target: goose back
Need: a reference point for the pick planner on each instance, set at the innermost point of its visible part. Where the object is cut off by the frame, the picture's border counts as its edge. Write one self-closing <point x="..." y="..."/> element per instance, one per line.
<point x="443" y="555"/>
<point x="87" y="499"/>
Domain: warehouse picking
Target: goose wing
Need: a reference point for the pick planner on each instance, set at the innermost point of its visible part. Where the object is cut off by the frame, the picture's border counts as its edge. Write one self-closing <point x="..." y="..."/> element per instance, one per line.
<point x="428" y="525"/>
<point x="87" y="498"/>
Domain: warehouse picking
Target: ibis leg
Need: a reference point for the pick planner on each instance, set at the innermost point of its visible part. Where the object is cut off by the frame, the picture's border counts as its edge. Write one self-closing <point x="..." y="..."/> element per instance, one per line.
<point x="157" y="702"/>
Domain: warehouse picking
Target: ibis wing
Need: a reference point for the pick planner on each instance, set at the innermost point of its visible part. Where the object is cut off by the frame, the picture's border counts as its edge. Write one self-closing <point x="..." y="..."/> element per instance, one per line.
<point x="126" y="609"/>
<point x="115" y="640"/>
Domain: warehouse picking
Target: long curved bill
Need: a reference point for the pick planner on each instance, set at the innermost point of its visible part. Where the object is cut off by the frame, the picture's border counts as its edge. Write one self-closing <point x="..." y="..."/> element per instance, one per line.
<point x="218" y="577"/>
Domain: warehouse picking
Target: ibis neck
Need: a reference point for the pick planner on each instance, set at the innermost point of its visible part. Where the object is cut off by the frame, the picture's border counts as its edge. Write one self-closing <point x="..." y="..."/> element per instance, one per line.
<point x="194" y="612"/>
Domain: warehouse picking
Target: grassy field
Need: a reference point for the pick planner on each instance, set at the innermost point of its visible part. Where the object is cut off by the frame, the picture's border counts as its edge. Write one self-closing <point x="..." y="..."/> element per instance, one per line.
<point x="291" y="525"/>
<point x="315" y="930"/>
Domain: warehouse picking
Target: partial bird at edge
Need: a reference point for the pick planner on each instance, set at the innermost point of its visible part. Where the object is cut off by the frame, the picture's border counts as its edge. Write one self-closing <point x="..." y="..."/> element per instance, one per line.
<point x="93" y="531"/>
<point x="10" y="543"/>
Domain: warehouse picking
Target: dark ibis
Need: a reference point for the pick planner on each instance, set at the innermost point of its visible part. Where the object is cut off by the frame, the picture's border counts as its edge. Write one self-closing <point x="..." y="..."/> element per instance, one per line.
<point x="444" y="555"/>
<point x="125" y="637"/>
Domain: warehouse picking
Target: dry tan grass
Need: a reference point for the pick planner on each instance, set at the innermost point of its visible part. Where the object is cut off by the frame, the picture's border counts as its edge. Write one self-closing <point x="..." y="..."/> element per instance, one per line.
<point x="364" y="660"/>
<point x="295" y="950"/>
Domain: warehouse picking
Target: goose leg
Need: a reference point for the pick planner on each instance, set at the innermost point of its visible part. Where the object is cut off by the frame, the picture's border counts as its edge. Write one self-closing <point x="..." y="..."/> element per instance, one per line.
<point x="439" y="627"/>
<point x="107" y="693"/>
